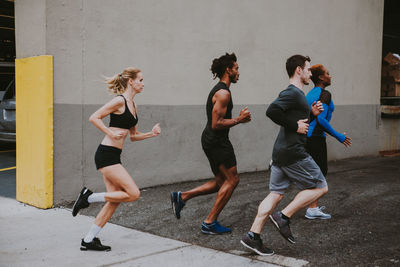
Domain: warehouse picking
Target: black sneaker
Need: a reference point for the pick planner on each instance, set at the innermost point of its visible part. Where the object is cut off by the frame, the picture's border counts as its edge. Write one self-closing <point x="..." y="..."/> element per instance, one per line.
<point x="282" y="225"/>
<point x="94" y="245"/>
<point x="256" y="246"/>
<point x="82" y="201"/>
<point x="177" y="203"/>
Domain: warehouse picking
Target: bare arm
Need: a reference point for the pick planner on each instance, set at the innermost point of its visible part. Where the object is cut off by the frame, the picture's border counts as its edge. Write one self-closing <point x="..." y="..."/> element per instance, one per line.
<point x="135" y="135"/>
<point x="98" y="115"/>
<point x="221" y="100"/>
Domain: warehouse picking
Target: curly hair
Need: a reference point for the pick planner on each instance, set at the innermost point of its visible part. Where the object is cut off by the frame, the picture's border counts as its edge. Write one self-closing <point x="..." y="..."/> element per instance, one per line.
<point x="316" y="71"/>
<point x="219" y="65"/>
<point x="117" y="84"/>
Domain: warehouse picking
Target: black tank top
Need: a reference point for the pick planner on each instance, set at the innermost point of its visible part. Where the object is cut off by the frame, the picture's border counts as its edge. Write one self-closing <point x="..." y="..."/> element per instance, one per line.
<point x="125" y="120"/>
<point x="209" y="107"/>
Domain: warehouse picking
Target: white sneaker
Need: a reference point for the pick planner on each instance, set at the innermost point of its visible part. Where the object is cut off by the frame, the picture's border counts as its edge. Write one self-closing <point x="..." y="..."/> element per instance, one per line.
<point x="317" y="214"/>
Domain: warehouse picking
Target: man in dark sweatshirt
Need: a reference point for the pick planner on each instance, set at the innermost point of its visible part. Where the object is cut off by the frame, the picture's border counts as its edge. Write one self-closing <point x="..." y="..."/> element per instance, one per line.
<point x="291" y="162"/>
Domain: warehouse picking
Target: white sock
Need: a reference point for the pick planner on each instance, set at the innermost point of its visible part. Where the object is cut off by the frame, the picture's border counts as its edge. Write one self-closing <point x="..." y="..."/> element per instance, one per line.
<point x="97" y="197"/>
<point x="93" y="232"/>
<point x="314" y="209"/>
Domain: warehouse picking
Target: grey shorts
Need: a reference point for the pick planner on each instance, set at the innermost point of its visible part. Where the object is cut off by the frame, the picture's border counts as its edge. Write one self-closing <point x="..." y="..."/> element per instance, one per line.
<point x="305" y="174"/>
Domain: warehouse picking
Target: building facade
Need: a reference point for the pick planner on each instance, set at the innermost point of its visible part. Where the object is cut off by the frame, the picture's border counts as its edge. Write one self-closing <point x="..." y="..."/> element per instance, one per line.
<point x="173" y="42"/>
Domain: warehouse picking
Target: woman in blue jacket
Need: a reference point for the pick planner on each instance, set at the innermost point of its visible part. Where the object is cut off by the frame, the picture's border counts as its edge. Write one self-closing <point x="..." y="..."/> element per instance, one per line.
<point x="316" y="137"/>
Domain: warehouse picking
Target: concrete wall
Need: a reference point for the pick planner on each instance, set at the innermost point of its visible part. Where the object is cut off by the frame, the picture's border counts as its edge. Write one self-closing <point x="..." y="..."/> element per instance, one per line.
<point x="30" y="28"/>
<point x="174" y="42"/>
<point x="389" y="134"/>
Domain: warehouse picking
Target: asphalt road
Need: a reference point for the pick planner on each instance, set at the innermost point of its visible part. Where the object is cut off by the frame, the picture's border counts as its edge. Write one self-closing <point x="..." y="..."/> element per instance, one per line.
<point x="363" y="199"/>
<point x="7" y="175"/>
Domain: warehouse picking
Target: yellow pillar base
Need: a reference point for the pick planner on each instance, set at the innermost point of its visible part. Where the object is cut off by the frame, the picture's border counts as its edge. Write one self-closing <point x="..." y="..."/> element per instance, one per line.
<point x="34" y="114"/>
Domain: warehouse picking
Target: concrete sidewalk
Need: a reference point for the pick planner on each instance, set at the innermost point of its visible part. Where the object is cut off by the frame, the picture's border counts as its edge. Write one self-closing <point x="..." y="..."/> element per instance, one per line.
<point x="34" y="237"/>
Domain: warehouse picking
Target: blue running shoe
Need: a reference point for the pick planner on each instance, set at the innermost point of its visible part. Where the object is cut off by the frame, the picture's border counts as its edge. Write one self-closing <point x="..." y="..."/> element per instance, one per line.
<point x="177" y="203"/>
<point x="214" y="228"/>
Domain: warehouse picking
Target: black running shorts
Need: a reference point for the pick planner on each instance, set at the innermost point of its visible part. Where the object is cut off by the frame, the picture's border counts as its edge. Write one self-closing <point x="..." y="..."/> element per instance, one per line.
<point x="107" y="156"/>
<point x="219" y="152"/>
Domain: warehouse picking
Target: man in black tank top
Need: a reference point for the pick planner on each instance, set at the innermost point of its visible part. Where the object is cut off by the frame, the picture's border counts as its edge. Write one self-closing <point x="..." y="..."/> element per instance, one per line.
<point x="216" y="145"/>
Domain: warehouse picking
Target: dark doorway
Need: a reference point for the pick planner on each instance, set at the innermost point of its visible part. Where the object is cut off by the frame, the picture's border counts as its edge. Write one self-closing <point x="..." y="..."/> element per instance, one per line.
<point x="390" y="86"/>
<point x="391" y="27"/>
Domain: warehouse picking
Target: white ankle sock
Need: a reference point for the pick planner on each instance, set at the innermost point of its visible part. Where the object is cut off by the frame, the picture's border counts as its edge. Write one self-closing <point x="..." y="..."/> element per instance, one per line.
<point x="313" y="209"/>
<point x="93" y="232"/>
<point x="97" y="197"/>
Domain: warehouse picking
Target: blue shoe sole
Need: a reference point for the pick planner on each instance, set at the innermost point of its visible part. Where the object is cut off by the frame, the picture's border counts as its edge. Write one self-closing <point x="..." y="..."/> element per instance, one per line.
<point x="208" y="232"/>
<point x="213" y="233"/>
<point x="313" y="218"/>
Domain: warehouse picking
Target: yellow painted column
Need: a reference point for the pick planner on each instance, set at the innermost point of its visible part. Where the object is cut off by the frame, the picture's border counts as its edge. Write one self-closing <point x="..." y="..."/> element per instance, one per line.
<point x="34" y="114"/>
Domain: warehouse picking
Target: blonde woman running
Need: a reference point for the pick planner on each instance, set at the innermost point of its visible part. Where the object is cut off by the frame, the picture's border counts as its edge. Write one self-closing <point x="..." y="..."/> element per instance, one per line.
<point x="119" y="184"/>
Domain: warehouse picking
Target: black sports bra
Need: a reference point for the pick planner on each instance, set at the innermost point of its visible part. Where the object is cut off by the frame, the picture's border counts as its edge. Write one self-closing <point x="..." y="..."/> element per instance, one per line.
<point x="125" y="120"/>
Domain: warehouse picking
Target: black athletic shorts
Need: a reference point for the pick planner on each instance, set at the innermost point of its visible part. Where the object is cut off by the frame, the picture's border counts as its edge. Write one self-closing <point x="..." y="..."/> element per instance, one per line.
<point x="106" y="156"/>
<point x="316" y="147"/>
<point x="219" y="152"/>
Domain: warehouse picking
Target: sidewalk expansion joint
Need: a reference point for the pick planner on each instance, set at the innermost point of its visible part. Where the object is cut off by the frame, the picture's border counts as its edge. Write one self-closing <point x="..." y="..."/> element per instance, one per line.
<point x="147" y="255"/>
<point x="273" y="259"/>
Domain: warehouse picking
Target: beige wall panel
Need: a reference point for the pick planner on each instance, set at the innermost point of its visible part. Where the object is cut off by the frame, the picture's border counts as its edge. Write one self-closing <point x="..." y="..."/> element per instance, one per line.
<point x="30" y="28"/>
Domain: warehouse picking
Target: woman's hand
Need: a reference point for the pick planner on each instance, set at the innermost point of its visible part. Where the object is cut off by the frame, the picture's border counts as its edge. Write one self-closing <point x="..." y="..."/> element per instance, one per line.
<point x="347" y="141"/>
<point x="316" y="108"/>
<point x="156" y="129"/>
<point x="117" y="134"/>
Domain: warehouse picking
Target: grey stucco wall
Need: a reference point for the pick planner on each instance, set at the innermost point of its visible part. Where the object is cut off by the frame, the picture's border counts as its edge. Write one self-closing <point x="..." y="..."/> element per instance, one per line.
<point x="173" y="42"/>
<point x="30" y="25"/>
<point x="389" y="134"/>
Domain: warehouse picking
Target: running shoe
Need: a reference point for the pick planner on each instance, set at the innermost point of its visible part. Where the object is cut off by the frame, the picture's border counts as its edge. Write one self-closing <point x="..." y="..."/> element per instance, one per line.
<point x="282" y="225"/>
<point x="94" y="245"/>
<point x="177" y="203"/>
<point x="82" y="201"/>
<point x="256" y="245"/>
<point x="317" y="214"/>
<point x="214" y="228"/>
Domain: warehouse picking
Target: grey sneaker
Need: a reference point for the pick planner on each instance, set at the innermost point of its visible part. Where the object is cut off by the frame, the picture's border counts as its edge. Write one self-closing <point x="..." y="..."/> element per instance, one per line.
<point x="256" y="246"/>
<point x="282" y="225"/>
<point x="317" y="214"/>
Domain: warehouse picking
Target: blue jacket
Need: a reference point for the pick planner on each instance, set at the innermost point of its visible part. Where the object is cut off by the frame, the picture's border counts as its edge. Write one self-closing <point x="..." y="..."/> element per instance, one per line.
<point x="323" y="118"/>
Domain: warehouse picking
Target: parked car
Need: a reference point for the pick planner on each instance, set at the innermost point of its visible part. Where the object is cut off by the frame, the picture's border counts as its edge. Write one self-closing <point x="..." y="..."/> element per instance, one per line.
<point x="7" y="114"/>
